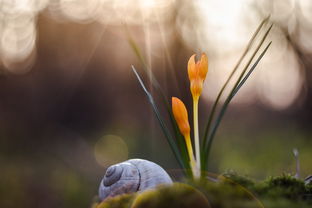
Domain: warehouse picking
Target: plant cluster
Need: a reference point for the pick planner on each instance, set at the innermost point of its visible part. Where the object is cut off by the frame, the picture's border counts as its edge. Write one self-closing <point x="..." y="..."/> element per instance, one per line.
<point x="181" y="143"/>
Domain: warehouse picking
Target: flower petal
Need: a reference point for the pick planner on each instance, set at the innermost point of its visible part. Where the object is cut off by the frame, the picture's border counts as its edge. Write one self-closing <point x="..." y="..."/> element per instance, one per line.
<point x="196" y="87"/>
<point x="203" y="66"/>
<point x="180" y="115"/>
<point x="191" y="68"/>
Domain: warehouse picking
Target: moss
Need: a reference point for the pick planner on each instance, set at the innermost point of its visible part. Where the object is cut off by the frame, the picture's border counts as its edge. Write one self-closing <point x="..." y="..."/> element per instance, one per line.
<point x="233" y="177"/>
<point x="228" y="194"/>
<point x="309" y="189"/>
<point x="308" y="194"/>
<point x="121" y="201"/>
<point x="233" y="191"/>
<point x="285" y="186"/>
<point x="177" y="195"/>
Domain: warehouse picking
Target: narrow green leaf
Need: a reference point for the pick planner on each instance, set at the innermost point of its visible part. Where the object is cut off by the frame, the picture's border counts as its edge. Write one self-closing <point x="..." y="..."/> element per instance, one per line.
<point x="228" y="100"/>
<point x="156" y="85"/>
<point x="215" y="104"/>
<point x="137" y="52"/>
<point x="208" y="138"/>
<point x="141" y="58"/>
<point x="250" y="71"/>
<point x="161" y="122"/>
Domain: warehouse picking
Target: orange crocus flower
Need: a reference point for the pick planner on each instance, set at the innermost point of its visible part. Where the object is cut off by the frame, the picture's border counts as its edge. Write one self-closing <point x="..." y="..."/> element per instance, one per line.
<point x="180" y="115"/>
<point x="197" y="72"/>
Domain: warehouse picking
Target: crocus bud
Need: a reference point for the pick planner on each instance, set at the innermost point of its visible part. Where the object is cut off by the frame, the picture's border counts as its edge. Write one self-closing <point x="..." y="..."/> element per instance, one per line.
<point x="180" y="115"/>
<point x="197" y="72"/>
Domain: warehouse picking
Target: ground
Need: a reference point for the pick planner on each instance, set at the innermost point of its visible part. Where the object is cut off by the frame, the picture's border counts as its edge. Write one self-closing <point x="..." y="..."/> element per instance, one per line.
<point x="232" y="191"/>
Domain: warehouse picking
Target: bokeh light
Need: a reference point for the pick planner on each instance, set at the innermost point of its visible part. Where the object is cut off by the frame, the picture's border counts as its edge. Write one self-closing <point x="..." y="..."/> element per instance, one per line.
<point x="282" y="82"/>
<point x="110" y="149"/>
<point x="220" y="28"/>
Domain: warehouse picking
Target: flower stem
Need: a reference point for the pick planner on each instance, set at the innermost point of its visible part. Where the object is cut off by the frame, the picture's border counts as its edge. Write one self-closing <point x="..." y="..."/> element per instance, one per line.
<point x="196" y="134"/>
<point x="191" y="155"/>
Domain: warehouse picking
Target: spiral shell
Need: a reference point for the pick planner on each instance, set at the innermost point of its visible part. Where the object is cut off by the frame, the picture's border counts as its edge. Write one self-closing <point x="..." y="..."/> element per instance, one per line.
<point x="133" y="175"/>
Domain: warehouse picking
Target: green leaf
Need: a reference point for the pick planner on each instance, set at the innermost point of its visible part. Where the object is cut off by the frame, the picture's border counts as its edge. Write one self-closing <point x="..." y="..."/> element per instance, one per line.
<point x="228" y="100"/>
<point x="141" y="58"/>
<point x="179" y="138"/>
<point x="164" y="128"/>
<point x="210" y="133"/>
<point x="215" y="104"/>
<point x="250" y="71"/>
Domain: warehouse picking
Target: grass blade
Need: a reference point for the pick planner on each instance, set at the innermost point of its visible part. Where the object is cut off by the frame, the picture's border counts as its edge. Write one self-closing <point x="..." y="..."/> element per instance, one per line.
<point x="209" y="136"/>
<point x="229" y="98"/>
<point x="141" y="58"/>
<point x="214" y="107"/>
<point x="179" y="138"/>
<point x="250" y="71"/>
<point x="161" y="122"/>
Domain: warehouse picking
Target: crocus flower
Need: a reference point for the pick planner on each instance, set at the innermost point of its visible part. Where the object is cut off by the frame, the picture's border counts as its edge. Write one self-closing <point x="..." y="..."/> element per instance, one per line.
<point x="197" y="75"/>
<point x="181" y="117"/>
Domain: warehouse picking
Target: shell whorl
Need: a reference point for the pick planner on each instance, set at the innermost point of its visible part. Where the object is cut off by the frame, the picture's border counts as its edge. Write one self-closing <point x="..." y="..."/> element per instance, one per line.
<point x="151" y="174"/>
<point x="132" y="176"/>
<point x="112" y="175"/>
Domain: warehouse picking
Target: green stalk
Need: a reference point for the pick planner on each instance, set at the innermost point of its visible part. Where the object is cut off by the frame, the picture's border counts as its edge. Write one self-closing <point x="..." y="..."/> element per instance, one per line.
<point x="196" y="134"/>
<point x="192" y="163"/>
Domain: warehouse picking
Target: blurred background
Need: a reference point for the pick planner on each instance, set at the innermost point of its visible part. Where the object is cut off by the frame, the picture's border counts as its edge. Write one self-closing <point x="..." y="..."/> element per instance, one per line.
<point x="70" y="105"/>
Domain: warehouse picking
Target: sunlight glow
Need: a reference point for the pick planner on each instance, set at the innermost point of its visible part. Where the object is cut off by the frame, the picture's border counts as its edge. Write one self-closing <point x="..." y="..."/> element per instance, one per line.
<point x="220" y="20"/>
<point x="18" y="33"/>
<point x="80" y="10"/>
<point x="221" y="28"/>
<point x="281" y="85"/>
<point x="306" y="8"/>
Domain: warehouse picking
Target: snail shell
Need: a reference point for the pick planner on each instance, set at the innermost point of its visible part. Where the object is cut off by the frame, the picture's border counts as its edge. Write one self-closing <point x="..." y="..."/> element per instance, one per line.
<point x="132" y="176"/>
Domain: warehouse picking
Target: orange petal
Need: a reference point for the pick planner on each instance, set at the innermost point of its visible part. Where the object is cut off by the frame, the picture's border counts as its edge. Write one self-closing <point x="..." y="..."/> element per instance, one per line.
<point x="180" y="115"/>
<point x="196" y="88"/>
<point x="203" y="66"/>
<point x="191" y="68"/>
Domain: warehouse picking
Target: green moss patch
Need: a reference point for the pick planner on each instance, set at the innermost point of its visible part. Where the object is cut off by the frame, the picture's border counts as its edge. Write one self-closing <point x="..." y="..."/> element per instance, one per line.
<point x="121" y="201"/>
<point x="232" y="191"/>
